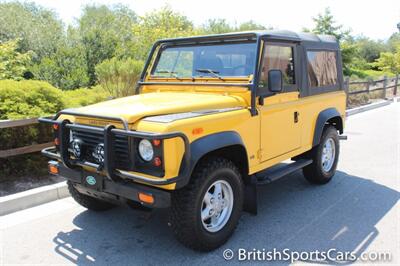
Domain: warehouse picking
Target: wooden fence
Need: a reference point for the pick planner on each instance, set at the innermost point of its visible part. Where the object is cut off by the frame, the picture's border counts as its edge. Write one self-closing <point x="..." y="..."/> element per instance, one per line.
<point x="26" y="149"/>
<point x="388" y="87"/>
<point x="367" y="87"/>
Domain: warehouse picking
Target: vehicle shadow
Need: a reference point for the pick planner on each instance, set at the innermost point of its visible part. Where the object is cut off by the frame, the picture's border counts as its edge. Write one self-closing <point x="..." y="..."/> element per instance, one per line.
<point x="292" y="214"/>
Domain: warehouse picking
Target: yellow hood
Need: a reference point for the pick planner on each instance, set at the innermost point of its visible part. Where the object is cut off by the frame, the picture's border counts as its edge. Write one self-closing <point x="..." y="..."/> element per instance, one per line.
<point x="135" y="107"/>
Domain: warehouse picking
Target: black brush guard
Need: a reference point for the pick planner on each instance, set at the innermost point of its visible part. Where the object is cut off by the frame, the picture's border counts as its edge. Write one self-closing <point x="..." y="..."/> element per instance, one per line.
<point x="109" y="131"/>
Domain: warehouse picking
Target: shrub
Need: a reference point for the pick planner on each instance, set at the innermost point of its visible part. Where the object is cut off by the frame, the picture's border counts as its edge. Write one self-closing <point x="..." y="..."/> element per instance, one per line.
<point x="28" y="98"/>
<point x="369" y="73"/>
<point x="84" y="96"/>
<point x="389" y="62"/>
<point x="23" y="99"/>
<point x="119" y="77"/>
<point x="27" y="165"/>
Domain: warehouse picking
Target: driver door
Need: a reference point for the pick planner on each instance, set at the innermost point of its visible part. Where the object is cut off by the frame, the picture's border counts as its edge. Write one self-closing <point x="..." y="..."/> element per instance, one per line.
<point x="280" y="114"/>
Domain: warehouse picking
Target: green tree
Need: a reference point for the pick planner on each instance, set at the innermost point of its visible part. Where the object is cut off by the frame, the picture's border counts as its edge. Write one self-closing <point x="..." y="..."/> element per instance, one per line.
<point x="325" y="23"/>
<point x="217" y="26"/>
<point x="349" y="51"/>
<point x="105" y="32"/>
<point x="369" y="49"/>
<point x="389" y="61"/>
<point x="160" y="24"/>
<point x="65" y="69"/>
<point x="38" y="28"/>
<point x="394" y="41"/>
<point x="251" y="25"/>
<point x="13" y="64"/>
<point x="119" y="77"/>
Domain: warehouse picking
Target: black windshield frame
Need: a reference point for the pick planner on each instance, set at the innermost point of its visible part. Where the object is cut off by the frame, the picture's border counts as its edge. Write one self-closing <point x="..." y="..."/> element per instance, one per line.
<point x="222" y="38"/>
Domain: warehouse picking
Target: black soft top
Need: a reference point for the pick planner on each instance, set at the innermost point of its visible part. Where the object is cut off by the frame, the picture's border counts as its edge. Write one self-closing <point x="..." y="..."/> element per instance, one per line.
<point x="308" y="39"/>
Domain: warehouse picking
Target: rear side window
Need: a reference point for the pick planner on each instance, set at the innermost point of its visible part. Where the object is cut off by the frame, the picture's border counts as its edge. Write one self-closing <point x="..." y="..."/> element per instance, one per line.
<point x="321" y="68"/>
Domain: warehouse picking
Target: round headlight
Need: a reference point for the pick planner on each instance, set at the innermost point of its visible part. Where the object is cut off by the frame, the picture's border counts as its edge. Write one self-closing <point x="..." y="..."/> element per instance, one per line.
<point x="146" y="150"/>
<point x="77" y="147"/>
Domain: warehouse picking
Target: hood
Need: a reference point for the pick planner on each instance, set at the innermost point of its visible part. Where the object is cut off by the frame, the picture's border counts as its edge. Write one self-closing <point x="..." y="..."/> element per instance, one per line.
<point x="135" y="107"/>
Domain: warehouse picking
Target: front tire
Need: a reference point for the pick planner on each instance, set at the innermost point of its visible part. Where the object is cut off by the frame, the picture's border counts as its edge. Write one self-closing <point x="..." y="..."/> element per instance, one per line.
<point x="325" y="158"/>
<point x="204" y="214"/>
<point x="88" y="202"/>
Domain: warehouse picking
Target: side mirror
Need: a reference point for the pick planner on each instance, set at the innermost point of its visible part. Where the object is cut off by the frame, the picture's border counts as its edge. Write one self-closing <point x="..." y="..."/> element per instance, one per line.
<point x="275" y="84"/>
<point x="275" y="80"/>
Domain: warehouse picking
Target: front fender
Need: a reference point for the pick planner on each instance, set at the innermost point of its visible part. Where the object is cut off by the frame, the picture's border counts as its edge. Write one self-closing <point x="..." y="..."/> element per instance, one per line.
<point x="207" y="144"/>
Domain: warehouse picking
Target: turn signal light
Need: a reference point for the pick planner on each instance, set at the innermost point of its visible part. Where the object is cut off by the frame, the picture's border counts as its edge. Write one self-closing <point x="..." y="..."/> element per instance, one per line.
<point x="197" y="131"/>
<point x="53" y="169"/>
<point x="146" y="198"/>
<point x="55" y="126"/>
<point x="157" y="161"/>
<point x="156" y="142"/>
<point x="57" y="141"/>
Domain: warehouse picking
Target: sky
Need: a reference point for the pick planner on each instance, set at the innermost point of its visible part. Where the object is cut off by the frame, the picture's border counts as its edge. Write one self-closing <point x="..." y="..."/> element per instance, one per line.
<point x="371" y="18"/>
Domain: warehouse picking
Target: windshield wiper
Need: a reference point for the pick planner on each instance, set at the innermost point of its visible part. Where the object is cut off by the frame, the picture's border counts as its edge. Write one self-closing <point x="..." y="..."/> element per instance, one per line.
<point x="172" y="73"/>
<point x="210" y="71"/>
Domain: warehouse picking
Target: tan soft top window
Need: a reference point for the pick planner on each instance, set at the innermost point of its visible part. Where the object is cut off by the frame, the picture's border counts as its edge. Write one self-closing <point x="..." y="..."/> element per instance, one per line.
<point x="277" y="57"/>
<point x="321" y="68"/>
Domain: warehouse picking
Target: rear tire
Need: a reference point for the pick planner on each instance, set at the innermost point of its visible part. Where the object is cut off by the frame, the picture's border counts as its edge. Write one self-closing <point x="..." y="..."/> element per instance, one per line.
<point x="325" y="158"/>
<point x="204" y="214"/>
<point x="88" y="202"/>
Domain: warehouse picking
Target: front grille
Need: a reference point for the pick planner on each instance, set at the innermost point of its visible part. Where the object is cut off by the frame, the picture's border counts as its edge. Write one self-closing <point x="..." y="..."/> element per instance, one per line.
<point x="92" y="139"/>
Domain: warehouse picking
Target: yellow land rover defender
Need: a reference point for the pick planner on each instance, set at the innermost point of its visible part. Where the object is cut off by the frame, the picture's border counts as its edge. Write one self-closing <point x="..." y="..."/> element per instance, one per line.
<point x="212" y="117"/>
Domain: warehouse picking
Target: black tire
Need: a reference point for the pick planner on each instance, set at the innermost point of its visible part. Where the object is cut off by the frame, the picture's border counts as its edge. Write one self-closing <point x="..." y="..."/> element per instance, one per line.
<point x="87" y="201"/>
<point x="187" y="204"/>
<point x="315" y="172"/>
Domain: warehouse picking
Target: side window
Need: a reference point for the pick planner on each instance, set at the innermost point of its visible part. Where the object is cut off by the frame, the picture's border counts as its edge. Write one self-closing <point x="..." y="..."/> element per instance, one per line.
<point x="277" y="57"/>
<point x="321" y="68"/>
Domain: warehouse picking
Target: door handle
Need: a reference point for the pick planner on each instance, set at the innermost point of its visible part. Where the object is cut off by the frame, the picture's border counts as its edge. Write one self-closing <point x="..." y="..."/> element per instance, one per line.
<point x="296" y="116"/>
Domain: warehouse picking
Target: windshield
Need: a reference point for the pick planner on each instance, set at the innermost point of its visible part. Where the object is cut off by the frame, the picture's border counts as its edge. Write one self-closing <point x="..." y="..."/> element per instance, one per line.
<point x="216" y="60"/>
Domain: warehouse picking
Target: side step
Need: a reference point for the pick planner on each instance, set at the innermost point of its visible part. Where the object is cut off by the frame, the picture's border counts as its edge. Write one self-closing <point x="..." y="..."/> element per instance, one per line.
<point x="271" y="175"/>
<point x="266" y="177"/>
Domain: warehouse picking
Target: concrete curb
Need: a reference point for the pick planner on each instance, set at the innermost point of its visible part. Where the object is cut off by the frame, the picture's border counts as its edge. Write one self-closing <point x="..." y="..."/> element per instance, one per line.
<point x="41" y="195"/>
<point x="32" y="198"/>
<point x="368" y="107"/>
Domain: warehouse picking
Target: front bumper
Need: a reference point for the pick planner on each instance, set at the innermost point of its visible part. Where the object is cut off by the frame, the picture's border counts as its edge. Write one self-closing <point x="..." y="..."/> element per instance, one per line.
<point x="109" y="132"/>
<point x="113" y="191"/>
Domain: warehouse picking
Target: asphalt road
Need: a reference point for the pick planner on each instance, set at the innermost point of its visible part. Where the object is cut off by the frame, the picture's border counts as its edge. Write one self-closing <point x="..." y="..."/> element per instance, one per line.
<point x="357" y="212"/>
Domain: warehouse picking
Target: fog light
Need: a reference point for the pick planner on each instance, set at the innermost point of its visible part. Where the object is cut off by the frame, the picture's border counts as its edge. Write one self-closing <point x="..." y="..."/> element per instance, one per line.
<point x="56" y="141"/>
<point x="98" y="153"/>
<point x="77" y="147"/>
